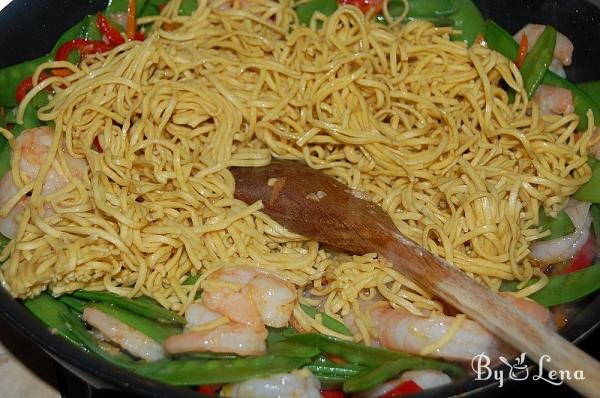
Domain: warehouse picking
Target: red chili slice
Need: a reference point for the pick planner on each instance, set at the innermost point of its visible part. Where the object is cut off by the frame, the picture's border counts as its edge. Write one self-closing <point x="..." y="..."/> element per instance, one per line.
<point x="84" y="46"/>
<point x="332" y="394"/>
<point x="25" y="86"/>
<point x="105" y="27"/>
<point x="365" y="5"/>
<point x="407" y="387"/>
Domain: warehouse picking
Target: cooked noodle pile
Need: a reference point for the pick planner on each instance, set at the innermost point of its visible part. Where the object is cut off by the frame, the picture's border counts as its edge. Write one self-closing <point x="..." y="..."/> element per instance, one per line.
<point x="407" y="118"/>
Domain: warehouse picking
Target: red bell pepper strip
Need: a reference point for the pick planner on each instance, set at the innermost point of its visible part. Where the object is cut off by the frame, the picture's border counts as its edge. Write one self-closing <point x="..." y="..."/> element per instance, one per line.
<point x="522" y="51"/>
<point x="332" y="394"/>
<point x="366" y="6"/>
<point x="97" y="144"/>
<point x="139" y="36"/>
<point x="404" y="388"/>
<point x="209" y="389"/>
<point x="25" y="86"/>
<point x="84" y="46"/>
<point x="583" y="258"/>
<point x="110" y="32"/>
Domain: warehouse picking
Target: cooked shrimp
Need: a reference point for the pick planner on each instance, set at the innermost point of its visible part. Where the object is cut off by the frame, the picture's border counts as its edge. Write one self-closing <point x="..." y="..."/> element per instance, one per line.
<point x="563" y="248"/>
<point x="554" y="100"/>
<point x="128" y="338"/>
<point x="197" y="315"/>
<point x="32" y="146"/>
<point x="229" y="338"/>
<point x="298" y="384"/>
<point x="402" y="331"/>
<point x="563" y="50"/>
<point x="250" y="297"/>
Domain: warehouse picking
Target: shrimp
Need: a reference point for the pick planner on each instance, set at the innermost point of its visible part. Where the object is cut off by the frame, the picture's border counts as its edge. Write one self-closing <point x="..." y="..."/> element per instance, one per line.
<point x="130" y="339"/>
<point x="251" y="297"/>
<point x="32" y="146"/>
<point x="247" y="300"/>
<point x="560" y="249"/>
<point x="229" y="338"/>
<point x="554" y="100"/>
<point x="401" y="331"/>
<point x="298" y="384"/>
<point x="563" y="50"/>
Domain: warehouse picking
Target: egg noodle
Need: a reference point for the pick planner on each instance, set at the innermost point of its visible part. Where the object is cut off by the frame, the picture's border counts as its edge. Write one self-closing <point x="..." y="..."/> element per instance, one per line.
<point x="407" y="118"/>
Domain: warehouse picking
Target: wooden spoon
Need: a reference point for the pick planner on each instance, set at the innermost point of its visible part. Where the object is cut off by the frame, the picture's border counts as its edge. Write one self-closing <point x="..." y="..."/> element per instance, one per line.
<point x="312" y="204"/>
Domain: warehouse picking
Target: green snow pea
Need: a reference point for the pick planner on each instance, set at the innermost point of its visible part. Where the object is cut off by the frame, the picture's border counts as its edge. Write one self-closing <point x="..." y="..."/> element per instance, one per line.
<point x="49" y="310"/>
<point x="467" y="18"/>
<point x="373" y="377"/>
<point x="76" y="304"/>
<point x="538" y="60"/>
<point x="590" y="191"/>
<point x="198" y="372"/>
<point x="592" y="89"/>
<point x="152" y="311"/>
<point x="12" y="76"/>
<point x="287" y="349"/>
<point x="334" y="374"/>
<point x="328" y="321"/>
<point x="352" y="352"/>
<point x="558" y="226"/>
<point x="115" y="6"/>
<point x="564" y="288"/>
<point x="150" y="328"/>
<point x="306" y="10"/>
<point x="595" y="211"/>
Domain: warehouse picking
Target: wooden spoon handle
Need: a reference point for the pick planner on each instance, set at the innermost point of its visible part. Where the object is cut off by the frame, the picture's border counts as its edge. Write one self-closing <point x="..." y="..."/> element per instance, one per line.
<point x="495" y="314"/>
<point x="308" y="202"/>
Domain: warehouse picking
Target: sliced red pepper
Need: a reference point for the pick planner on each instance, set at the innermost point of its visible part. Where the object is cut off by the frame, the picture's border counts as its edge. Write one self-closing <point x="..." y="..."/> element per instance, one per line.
<point x="97" y="144"/>
<point x="404" y="388"/>
<point x="25" y="86"/>
<point x="332" y="394"/>
<point x="522" y="51"/>
<point x="139" y="36"/>
<point x="583" y="258"/>
<point x="209" y="389"/>
<point x="84" y="46"/>
<point x="366" y="6"/>
<point x="112" y="34"/>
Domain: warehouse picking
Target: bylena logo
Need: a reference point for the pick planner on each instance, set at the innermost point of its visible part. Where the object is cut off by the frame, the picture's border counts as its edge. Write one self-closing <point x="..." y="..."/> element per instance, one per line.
<point x="518" y="370"/>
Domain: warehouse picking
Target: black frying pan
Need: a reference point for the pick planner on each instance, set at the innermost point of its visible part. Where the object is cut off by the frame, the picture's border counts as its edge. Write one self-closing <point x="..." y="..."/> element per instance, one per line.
<point x="29" y="28"/>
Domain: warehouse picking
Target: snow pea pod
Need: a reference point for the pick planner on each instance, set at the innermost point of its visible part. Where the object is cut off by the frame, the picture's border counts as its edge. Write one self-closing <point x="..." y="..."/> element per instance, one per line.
<point x="558" y="226"/>
<point x="332" y="372"/>
<point x="49" y="310"/>
<point x="500" y="40"/>
<point x="328" y="321"/>
<point x="306" y="10"/>
<point x="538" y="60"/>
<point x="73" y="303"/>
<point x="593" y="90"/>
<point x="146" y="309"/>
<point x="564" y="288"/>
<point x="287" y="349"/>
<point x="198" y="372"/>
<point x="467" y="18"/>
<point x="115" y="6"/>
<point x="373" y="377"/>
<point x="11" y="76"/>
<point x="150" y="328"/>
<point x="590" y="191"/>
<point x="352" y="352"/>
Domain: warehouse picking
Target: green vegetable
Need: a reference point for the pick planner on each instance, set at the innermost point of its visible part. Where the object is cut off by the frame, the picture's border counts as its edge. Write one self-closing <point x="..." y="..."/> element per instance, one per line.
<point x="564" y="288"/>
<point x="49" y="310"/>
<point x="152" y="311"/>
<point x="353" y="352"/>
<point x="187" y="7"/>
<point x="115" y="6"/>
<point x="387" y="370"/>
<point x="305" y="11"/>
<point x="436" y="11"/>
<point x="12" y="76"/>
<point x="328" y="321"/>
<point x="468" y="19"/>
<point x="590" y="191"/>
<point x="3" y="242"/>
<point x="72" y="302"/>
<point x="197" y="372"/>
<point x="191" y="279"/>
<point x="559" y="226"/>
<point x="287" y="349"/>
<point x="595" y="212"/>
<point x="150" y="328"/>
<point x="593" y="90"/>
<point x="538" y="60"/>
<point x="334" y="373"/>
<point x="74" y="325"/>
<point x="500" y="40"/>
<point x="86" y="28"/>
